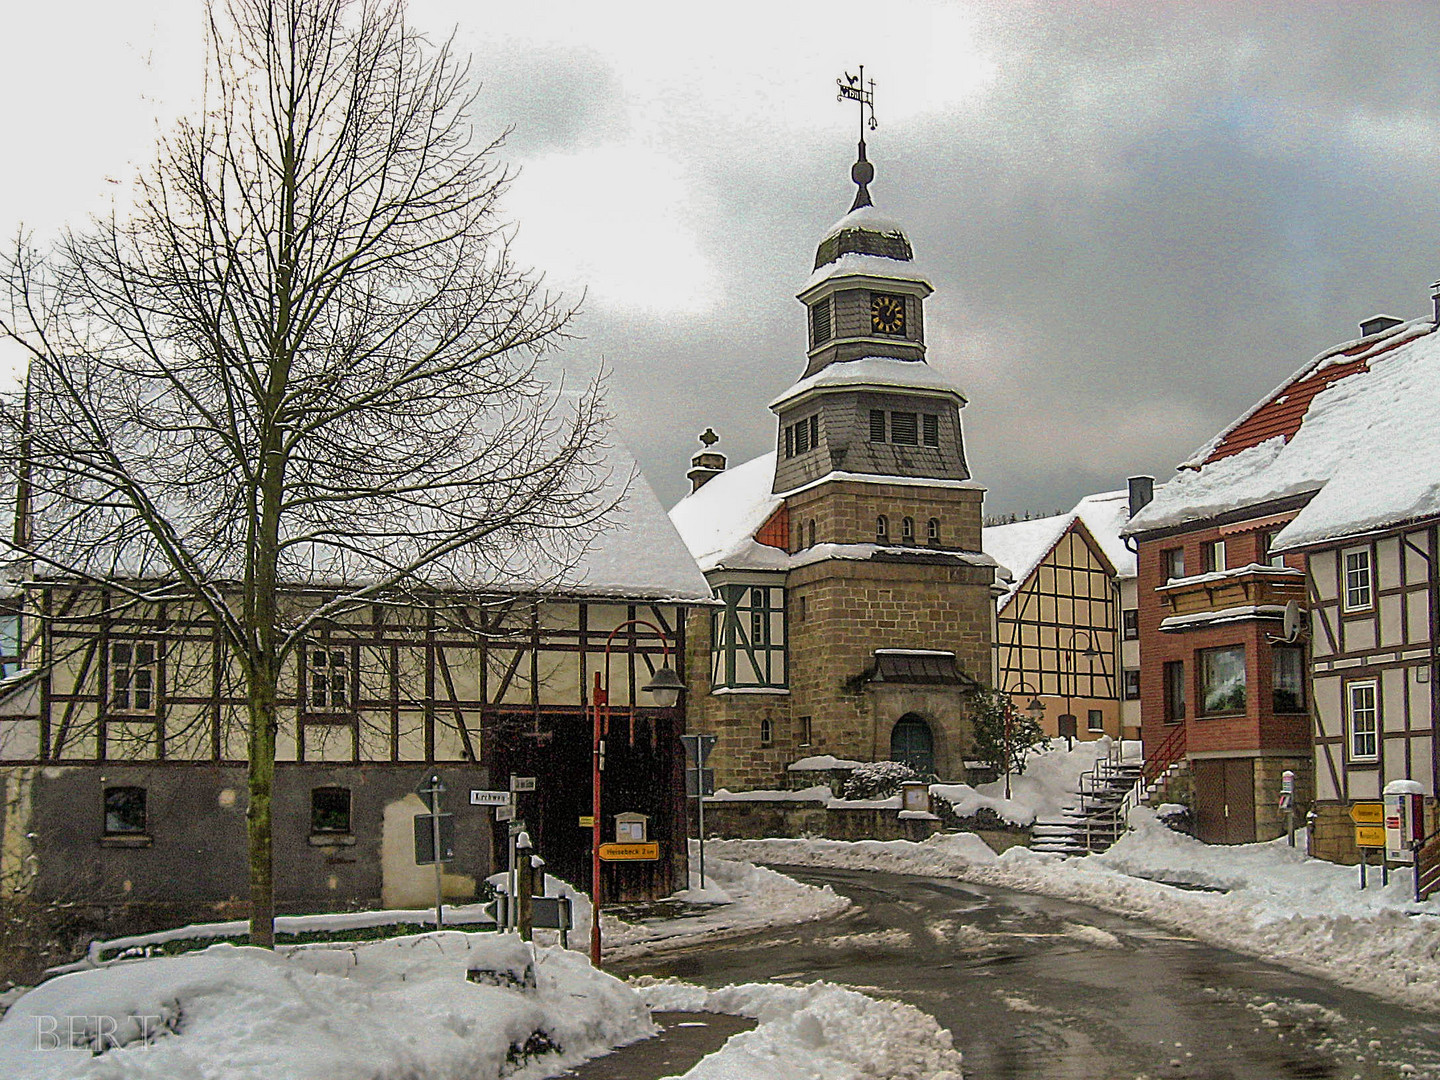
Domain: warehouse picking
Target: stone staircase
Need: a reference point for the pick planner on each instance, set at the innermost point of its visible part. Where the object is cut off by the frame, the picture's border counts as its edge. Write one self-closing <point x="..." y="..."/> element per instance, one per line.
<point x="1098" y="817"/>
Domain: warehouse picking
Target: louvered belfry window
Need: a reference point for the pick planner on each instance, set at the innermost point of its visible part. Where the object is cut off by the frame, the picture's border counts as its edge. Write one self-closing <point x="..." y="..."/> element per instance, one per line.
<point x="931" y="426"/>
<point x="877" y="425"/>
<point x="903" y="428"/>
<point x="819" y="322"/>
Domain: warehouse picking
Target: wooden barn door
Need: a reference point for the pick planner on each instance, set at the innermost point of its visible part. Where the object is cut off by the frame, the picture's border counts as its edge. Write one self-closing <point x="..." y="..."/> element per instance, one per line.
<point x="1224" y="800"/>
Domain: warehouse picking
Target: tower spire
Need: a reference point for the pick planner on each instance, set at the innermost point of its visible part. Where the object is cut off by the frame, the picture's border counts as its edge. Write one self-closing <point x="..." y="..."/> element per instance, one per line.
<point x="856" y="88"/>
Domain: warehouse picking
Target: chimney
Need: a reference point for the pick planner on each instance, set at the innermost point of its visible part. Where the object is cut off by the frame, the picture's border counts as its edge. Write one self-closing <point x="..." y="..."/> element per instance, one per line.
<point x="1142" y="490"/>
<point x="707" y="464"/>
<point x="1435" y="300"/>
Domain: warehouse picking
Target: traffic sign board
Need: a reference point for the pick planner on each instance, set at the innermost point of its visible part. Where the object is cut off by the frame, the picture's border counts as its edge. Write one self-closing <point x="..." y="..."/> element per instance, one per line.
<point x="699" y="782"/>
<point x="505" y="813"/>
<point x="425" y="839"/>
<point x="489" y="798"/>
<point x="1370" y="836"/>
<point x="699" y="746"/>
<point x="522" y="783"/>
<point x="587" y="821"/>
<point x="1368" y="813"/>
<point x="646" y="852"/>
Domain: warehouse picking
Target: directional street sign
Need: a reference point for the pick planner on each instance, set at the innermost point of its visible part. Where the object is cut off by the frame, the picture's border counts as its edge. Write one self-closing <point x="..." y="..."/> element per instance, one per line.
<point x="522" y="783"/>
<point x="1368" y="836"/>
<point x="646" y="852"/>
<point x="587" y="821"/>
<point x="489" y="798"/>
<point x="1368" y="813"/>
<point x="505" y="813"/>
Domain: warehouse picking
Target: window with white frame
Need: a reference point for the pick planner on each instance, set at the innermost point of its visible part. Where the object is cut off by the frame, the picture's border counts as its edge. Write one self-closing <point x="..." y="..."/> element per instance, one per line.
<point x="329" y="673"/>
<point x="134" y="676"/>
<point x="1214" y="552"/>
<point x="1358" y="581"/>
<point x="1364" y="721"/>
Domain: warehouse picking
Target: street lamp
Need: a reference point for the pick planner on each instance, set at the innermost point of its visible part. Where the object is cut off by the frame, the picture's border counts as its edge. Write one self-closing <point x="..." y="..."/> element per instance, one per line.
<point x="665" y="687"/>
<point x="1073" y="689"/>
<point x="1035" y="710"/>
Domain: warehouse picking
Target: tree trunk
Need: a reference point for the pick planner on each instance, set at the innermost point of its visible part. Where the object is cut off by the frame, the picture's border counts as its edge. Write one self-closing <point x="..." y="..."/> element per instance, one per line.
<point x="259" y="817"/>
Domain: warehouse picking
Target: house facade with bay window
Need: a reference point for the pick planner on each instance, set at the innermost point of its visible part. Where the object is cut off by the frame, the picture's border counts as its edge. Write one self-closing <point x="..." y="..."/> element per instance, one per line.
<point x="855" y="600"/>
<point x="1286" y="594"/>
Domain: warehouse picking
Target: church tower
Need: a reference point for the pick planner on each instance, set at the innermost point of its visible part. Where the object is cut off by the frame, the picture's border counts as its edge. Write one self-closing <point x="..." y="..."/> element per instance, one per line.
<point x="857" y="604"/>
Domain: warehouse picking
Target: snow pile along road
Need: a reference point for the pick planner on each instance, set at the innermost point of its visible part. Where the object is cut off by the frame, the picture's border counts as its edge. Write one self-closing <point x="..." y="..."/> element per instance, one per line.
<point x="815" y="1032"/>
<point x="1277" y="904"/>
<point x="397" y="1008"/>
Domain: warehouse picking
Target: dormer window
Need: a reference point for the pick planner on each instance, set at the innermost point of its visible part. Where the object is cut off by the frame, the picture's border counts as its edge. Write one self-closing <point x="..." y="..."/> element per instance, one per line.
<point x="820" y="323"/>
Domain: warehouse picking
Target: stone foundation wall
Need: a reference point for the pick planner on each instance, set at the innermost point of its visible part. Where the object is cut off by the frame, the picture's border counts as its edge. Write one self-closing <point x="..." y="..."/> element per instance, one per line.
<point x="1269" y="820"/>
<point x="756" y="819"/>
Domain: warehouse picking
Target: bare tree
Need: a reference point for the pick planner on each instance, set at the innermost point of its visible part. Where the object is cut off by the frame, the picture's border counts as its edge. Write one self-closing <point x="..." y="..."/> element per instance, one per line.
<point x="304" y="361"/>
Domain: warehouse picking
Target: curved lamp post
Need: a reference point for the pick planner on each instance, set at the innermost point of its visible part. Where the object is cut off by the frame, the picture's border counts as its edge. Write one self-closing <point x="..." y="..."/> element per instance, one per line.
<point x="665" y="687"/>
<point x="1035" y="710"/>
<point x="1073" y="689"/>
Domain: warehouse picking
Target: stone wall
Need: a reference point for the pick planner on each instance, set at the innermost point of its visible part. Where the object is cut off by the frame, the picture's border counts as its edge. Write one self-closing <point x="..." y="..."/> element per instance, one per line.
<point x="752" y="819"/>
<point x="1333" y="837"/>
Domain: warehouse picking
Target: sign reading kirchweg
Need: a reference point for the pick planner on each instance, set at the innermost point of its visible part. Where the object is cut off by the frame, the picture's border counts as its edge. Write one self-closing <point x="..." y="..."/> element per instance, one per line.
<point x="489" y="798"/>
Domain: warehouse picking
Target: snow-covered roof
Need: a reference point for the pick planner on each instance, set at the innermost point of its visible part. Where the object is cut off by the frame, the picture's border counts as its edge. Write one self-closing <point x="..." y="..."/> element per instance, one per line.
<point x="718" y="523"/>
<point x="1021" y="546"/>
<point x="1375" y="435"/>
<point x="867" y="218"/>
<point x="1105" y="515"/>
<point x="638" y="555"/>
<point x="855" y="264"/>
<point x="878" y="372"/>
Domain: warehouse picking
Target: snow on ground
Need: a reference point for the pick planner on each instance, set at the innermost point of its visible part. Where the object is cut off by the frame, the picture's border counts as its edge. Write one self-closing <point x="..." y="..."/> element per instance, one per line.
<point x="816" y="1032"/>
<point x="1305" y="913"/>
<point x="1045" y="787"/>
<point x="397" y="1008"/>
<point x="752" y="898"/>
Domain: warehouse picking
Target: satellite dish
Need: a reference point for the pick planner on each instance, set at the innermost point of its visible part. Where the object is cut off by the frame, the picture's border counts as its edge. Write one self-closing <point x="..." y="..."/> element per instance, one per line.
<point x="1294" y="621"/>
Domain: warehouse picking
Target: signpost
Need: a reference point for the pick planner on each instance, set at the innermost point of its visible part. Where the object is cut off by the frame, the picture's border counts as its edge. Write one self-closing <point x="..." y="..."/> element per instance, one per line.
<point x="697" y="780"/>
<point x="522" y="783"/>
<point x="1369" y="819"/>
<point x="489" y="798"/>
<point x="434" y="837"/>
<point x="646" y="852"/>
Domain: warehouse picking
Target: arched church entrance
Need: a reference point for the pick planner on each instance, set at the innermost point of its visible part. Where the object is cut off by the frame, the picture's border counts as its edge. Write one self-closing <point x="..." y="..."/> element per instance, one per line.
<point x="912" y="742"/>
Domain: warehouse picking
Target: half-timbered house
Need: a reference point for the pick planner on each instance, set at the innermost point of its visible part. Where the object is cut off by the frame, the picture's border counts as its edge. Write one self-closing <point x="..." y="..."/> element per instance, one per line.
<point x="1060" y="623"/>
<point x="123" y="736"/>
<point x="1229" y="685"/>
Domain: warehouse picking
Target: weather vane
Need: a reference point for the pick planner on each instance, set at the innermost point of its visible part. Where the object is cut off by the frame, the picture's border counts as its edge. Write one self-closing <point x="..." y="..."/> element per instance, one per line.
<point x="855" y="88"/>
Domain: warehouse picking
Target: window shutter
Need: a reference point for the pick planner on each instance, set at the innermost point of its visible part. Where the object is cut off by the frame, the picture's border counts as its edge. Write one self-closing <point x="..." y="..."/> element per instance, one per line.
<point x="877" y="425"/>
<point x="903" y="428"/>
<point x="932" y="429"/>
<point x="820" y="323"/>
<point x="815" y="431"/>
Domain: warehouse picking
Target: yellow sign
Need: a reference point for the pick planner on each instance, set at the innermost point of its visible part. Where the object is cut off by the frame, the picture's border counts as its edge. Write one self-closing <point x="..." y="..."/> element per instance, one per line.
<point x="587" y="821"/>
<point x="638" y="852"/>
<point x="1369" y="836"/>
<point x="1368" y="813"/>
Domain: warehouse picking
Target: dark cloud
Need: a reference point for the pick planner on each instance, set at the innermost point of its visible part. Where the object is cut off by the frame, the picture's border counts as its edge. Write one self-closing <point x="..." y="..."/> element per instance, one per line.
<point x="1152" y="215"/>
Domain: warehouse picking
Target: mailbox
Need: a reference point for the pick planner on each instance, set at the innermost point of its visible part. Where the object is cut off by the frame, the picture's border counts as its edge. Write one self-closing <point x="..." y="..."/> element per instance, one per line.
<point x="632" y="828"/>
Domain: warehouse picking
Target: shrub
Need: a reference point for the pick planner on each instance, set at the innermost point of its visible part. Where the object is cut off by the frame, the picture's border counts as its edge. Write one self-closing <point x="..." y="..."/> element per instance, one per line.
<point x="877" y="779"/>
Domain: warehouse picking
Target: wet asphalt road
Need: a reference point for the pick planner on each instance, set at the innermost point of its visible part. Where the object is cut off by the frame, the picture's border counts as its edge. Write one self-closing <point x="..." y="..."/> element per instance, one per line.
<point x="1035" y="987"/>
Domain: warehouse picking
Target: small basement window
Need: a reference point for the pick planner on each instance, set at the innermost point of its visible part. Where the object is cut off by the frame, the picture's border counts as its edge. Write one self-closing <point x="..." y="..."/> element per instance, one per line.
<point x="330" y="810"/>
<point x="125" y="811"/>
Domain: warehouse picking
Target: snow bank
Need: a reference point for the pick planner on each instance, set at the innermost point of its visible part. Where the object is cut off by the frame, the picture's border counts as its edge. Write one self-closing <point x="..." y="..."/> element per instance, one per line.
<point x="1278" y="904"/>
<point x="1045" y="788"/>
<point x="753" y="897"/>
<point x="815" y="1032"/>
<point x="397" y="1008"/>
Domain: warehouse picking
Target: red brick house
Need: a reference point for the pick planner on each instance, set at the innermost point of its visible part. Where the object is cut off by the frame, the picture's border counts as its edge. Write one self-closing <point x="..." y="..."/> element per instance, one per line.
<point x="1224" y="687"/>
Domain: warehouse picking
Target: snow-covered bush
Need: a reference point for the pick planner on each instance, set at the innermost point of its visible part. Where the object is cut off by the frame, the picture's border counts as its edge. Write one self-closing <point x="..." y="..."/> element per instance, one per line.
<point x="877" y="779"/>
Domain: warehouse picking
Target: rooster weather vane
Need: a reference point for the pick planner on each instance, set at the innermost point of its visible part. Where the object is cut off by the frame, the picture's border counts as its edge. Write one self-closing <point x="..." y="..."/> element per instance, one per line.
<point x="856" y="88"/>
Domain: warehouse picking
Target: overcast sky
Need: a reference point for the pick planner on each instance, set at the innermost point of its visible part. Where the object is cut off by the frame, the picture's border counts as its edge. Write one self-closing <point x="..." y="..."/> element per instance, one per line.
<point x="1137" y="217"/>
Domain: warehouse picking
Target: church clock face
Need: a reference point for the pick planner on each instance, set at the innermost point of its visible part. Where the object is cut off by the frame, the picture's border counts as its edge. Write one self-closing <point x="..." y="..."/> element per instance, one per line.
<point x="887" y="314"/>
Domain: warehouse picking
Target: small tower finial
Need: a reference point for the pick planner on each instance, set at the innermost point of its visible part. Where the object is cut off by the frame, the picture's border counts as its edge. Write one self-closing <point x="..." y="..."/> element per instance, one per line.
<point x="856" y="88"/>
<point x="709" y="438"/>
